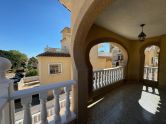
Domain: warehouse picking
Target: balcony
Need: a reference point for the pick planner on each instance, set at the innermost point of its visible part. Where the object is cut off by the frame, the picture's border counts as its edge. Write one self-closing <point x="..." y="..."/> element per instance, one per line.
<point x="104" y="105"/>
<point x="59" y="110"/>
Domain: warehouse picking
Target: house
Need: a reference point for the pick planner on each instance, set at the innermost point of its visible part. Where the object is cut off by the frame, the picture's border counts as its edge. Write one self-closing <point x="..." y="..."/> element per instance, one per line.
<point x="119" y="95"/>
<point x="55" y="64"/>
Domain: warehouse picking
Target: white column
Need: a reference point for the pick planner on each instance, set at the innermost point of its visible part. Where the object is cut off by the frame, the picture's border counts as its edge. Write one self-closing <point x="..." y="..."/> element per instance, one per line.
<point x="67" y="107"/>
<point x="153" y="73"/>
<point x="123" y="73"/>
<point x="98" y="79"/>
<point x="94" y="80"/>
<point x="109" y="76"/>
<point x="105" y="79"/>
<point x="43" y="101"/>
<point x="26" y="103"/>
<point x="118" y="74"/>
<point x="6" y="115"/>
<point x="147" y="73"/>
<point x="113" y="75"/>
<point x="101" y="78"/>
<point x="57" y="117"/>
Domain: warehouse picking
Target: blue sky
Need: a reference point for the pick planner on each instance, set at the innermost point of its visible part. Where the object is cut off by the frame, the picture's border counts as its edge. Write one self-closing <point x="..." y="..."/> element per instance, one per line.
<point x="104" y="47"/>
<point x="30" y="25"/>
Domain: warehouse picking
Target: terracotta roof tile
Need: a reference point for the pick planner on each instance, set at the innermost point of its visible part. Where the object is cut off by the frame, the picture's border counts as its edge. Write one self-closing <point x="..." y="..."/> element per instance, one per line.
<point x="52" y="54"/>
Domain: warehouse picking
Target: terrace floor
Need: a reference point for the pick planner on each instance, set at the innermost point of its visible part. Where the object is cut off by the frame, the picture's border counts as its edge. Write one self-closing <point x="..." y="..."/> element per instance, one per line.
<point x="130" y="104"/>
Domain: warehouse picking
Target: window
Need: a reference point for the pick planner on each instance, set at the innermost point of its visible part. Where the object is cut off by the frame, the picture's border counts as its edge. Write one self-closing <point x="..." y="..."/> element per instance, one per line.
<point x="55" y="68"/>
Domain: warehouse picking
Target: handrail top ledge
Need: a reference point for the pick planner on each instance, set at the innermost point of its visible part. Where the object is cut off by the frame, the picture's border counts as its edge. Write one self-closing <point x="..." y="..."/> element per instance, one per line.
<point x="36" y="90"/>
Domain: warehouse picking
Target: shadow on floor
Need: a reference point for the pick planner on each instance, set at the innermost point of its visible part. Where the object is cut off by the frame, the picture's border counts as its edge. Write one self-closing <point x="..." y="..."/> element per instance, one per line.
<point x="130" y="104"/>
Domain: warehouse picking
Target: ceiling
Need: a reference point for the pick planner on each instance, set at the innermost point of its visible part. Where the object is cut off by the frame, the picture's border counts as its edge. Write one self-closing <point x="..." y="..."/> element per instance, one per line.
<point x="125" y="16"/>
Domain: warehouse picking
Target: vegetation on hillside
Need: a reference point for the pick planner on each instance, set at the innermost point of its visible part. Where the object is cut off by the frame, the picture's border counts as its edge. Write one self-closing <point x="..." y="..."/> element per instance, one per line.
<point x="20" y="61"/>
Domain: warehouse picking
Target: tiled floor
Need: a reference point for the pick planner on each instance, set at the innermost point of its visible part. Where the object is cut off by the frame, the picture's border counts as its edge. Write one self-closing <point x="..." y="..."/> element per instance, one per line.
<point x="130" y="104"/>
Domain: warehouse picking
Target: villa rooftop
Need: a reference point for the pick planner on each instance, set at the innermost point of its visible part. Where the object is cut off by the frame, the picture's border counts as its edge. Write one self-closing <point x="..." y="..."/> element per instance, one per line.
<point x="53" y="54"/>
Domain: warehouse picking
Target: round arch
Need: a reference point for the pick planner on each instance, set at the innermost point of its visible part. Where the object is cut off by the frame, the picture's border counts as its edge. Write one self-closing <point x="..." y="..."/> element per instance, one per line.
<point x="113" y="41"/>
<point x="142" y="56"/>
<point x="83" y="24"/>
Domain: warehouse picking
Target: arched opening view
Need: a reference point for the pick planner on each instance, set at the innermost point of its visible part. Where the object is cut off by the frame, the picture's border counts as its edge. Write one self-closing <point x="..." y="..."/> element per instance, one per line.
<point x="108" y="61"/>
<point x="151" y="63"/>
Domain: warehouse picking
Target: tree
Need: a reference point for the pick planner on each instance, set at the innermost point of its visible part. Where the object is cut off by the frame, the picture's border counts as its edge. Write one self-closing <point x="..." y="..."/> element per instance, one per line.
<point x="32" y="63"/>
<point x="17" y="58"/>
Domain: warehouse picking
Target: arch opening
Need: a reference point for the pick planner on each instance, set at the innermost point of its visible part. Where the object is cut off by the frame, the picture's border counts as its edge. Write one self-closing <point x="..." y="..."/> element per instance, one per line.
<point x="151" y="63"/>
<point x="108" y="61"/>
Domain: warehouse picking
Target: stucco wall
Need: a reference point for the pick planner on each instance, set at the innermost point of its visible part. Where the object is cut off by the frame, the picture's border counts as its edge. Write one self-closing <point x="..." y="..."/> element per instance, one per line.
<point x="44" y="76"/>
<point x="98" y="62"/>
<point x="83" y="33"/>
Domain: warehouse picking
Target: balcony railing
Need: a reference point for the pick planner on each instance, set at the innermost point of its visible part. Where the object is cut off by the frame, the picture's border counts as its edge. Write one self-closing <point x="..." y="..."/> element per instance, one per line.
<point x="7" y="97"/>
<point x="151" y="73"/>
<point x="105" y="77"/>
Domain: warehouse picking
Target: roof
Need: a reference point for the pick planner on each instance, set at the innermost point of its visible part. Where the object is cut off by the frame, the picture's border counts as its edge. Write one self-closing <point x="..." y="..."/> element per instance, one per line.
<point x="66" y="28"/>
<point x="53" y="54"/>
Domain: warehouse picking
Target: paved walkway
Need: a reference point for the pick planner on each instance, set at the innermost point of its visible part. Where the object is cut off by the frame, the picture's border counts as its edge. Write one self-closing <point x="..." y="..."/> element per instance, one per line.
<point x="130" y="104"/>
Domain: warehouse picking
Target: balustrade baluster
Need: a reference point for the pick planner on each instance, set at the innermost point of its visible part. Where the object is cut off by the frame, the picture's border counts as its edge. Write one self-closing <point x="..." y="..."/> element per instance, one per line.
<point x="99" y="79"/>
<point x="43" y="101"/>
<point x="144" y="73"/>
<point x="156" y="75"/>
<point x="111" y="76"/>
<point x="115" y="74"/>
<point x="109" y="79"/>
<point x="26" y="103"/>
<point x="94" y="81"/>
<point x="120" y="73"/>
<point x="106" y="77"/>
<point x="57" y="117"/>
<point x="103" y="78"/>
<point x="153" y="73"/>
<point x="67" y="109"/>
<point x="147" y="73"/>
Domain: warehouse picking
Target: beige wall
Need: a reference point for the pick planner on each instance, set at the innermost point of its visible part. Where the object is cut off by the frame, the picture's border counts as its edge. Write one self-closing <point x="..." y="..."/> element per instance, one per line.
<point x="98" y="62"/>
<point x="84" y="13"/>
<point x="44" y="76"/>
<point x="149" y="54"/>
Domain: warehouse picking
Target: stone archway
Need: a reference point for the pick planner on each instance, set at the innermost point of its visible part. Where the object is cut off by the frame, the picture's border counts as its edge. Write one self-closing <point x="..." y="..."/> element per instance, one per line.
<point x="82" y="25"/>
<point x="111" y="40"/>
<point x="142" y="58"/>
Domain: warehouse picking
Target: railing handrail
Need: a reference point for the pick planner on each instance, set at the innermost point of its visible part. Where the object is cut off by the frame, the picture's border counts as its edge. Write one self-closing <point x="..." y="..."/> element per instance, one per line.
<point x="150" y="67"/>
<point x="108" y="69"/>
<point x="36" y="90"/>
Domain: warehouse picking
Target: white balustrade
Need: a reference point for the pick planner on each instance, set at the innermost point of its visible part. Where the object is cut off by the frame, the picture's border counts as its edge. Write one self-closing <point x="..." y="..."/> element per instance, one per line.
<point x="67" y="109"/>
<point x="151" y="73"/>
<point x="43" y="101"/>
<point x="108" y="76"/>
<point x="5" y="90"/>
<point x="26" y="103"/>
<point x="26" y="96"/>
<point x="7" y="97"/>
<point x="57" y="117"/>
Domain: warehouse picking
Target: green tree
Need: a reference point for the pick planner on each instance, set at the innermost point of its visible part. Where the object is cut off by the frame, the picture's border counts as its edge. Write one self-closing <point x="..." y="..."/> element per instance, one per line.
<point x="17" y="58"/>
<point x="32" y="63"/>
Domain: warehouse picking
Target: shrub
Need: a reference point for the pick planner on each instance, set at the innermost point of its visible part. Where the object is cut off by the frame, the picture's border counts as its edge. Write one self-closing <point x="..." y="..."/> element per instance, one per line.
<point x="32" y="72"/>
